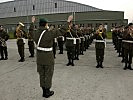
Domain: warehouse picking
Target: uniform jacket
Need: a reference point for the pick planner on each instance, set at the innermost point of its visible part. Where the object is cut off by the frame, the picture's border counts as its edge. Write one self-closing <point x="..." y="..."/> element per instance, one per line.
<point x="127" y="36"/>
<point x="43" y="57"/>
<point x="3" y="38"/>
<point x="99" y="45"/>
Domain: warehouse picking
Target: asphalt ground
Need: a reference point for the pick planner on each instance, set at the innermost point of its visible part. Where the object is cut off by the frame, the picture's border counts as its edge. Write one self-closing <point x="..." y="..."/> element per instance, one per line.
<point x="20" y="81"/>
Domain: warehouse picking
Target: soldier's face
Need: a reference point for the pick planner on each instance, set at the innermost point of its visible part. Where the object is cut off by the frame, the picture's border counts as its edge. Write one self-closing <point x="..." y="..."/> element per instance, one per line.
<point x="1" y="28"/>
<point x="76" y="26"/>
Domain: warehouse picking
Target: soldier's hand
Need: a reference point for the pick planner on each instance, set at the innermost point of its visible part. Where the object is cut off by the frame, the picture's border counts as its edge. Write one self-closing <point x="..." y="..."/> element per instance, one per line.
<point x="70" y="18"/>
<point x="33" y="19"/>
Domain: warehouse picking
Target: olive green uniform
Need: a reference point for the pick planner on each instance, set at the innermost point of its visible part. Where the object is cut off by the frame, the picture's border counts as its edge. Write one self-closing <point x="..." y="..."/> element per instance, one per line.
<point x="128" y="49"/>
<point x="100" y="46"/>
<point x="21" y="43"/>
<point x="45" y="59"/>
<point x="61" y="40"/>
<point x="70" y="46"/>
<point x="3" y="46"/>
<point x="31" y="44"/>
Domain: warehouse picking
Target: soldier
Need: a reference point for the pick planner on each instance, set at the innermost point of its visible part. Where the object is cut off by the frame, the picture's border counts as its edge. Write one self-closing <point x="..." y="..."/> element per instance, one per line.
<point x="61" y="41"/>
<point x="3" y="46"/>
<point x="54" y="46"/>
<point x="43" y="37"/>
<point x="128" y="46"/>
<point x="78" y="41"/>
<point x="82" y="41"/>
<point x="100" y="45"/>
<point x="70" y="45"/>
<point x="20" y="40"/>
<point x="31" y="44"/>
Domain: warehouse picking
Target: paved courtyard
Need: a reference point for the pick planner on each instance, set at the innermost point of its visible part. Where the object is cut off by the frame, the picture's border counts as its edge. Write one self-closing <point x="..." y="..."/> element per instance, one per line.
<point x="20" y="81"/>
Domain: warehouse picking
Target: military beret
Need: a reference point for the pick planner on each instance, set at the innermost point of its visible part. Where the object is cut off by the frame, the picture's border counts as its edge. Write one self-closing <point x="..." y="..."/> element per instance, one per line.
<point x="43" y="20"/>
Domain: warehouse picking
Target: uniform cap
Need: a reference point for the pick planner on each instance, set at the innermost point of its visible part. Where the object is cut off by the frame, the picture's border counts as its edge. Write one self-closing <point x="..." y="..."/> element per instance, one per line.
<point x="20" y="23"/>
<point x="43" y="20"/>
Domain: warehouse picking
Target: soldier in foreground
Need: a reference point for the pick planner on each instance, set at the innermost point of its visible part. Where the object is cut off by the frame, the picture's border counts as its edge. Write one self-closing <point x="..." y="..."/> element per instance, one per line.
<point x="45" y="59"/>
<point x="100" y="36"/>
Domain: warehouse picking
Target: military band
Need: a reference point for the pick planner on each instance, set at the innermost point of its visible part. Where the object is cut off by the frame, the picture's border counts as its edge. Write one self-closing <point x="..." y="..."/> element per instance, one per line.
<point x="77" y="40"/>
<point x="123" y="41"/>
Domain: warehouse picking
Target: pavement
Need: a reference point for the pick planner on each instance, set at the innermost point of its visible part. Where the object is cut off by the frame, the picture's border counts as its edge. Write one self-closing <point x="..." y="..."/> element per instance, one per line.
<point x="20" y="81"/>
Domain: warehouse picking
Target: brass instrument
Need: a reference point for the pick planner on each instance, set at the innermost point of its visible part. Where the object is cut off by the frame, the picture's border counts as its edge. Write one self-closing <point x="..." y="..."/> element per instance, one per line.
<point x="131" y="32"/>
<point x="100" y="31"/>
<point x="19" y="32"/>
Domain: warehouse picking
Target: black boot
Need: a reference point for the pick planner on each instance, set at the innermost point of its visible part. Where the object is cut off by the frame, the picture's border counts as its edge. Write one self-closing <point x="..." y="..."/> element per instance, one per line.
<point x="101" y="64"/>
<point x="72" y="62"/>
<point x="125" y="68"/>
<point x="123" y="61"/>
<point x="98" y="65"/>
<point x="22" y="59"/>
<point x="31" y="56"/>
<point x="69" y="63"/>
<point x="5" y="58"/>
<point x="129" y="67"/>
<point x="2" y="58"/>
<point x="47" y="93"/>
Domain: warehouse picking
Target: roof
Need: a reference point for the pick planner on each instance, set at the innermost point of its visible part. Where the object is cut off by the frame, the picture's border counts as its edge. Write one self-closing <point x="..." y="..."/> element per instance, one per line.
<point x="25" y="7"/>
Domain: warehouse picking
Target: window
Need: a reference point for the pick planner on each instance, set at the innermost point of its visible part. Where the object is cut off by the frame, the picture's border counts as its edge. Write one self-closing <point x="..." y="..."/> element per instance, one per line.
<point x="33" y="7"/>
<point x="14" y="9"/>
<point x="55" y="5"/>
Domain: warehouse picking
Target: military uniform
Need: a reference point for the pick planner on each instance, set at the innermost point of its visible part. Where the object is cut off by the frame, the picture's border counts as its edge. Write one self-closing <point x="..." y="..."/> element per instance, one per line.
<point x="20" y="43"/>
<point x="82" y="42"/>
<point x="43" y="37"/>
<point x="61" y="40"/>
<point x="100" y="46"/>
<point x="128" y="49"/>
<point x="70" y="46"/>
<point x="3" y="46"/>
<point x="54" y="46"/>
<point x="31" y="44"/>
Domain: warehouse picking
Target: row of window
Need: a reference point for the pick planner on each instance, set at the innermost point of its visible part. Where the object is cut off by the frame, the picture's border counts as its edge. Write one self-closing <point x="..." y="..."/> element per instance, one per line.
<point x="33" y="7"/>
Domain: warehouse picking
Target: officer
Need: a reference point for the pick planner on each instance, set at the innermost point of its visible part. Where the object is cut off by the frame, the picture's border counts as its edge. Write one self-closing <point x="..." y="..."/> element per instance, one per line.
<point x="3" y="46"/>
<point x="20" y="34"/>
<point x="100" y="36"/>
<point x="128" y="46"/>
<point x="43" y="37"/>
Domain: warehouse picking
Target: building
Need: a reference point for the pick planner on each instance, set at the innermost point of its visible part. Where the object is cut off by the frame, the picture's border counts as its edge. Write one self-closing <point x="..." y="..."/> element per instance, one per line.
<point x="57" y="11"/>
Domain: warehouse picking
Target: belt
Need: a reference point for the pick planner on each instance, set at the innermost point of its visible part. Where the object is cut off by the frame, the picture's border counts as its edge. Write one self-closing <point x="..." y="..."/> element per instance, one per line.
<point x="82" y="38"/>
<point x="99" y="41"/>
<point x="62" y="38"/>
<point x="74" y="40"/>
<point x="127" y="41"/>
<point x="44" y="49"/>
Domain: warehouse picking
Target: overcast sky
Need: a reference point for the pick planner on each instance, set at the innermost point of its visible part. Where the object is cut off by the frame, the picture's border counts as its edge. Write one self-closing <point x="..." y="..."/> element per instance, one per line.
<point x="115" y="5"/>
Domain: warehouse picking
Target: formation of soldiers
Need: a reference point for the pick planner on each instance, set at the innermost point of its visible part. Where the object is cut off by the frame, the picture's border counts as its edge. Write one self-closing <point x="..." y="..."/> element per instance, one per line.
<point x="75" y="38"/>
<point x="123" y="42"/>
